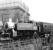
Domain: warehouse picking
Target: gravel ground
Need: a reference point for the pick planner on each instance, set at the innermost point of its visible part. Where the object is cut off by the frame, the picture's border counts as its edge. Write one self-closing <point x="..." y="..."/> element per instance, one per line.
<point x="30" y="44"/>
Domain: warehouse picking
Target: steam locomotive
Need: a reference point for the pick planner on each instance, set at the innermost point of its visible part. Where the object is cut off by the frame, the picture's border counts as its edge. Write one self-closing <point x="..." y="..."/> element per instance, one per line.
<point x="22" y="30"/>
<point x="17" y="30"/>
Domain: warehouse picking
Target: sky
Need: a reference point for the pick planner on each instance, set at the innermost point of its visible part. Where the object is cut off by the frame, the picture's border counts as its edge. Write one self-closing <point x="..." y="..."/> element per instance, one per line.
<point x="40" y="10"/>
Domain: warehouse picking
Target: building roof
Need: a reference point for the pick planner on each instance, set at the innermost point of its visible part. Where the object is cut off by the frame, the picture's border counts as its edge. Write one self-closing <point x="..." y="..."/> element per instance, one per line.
<point x="14" y="5"/>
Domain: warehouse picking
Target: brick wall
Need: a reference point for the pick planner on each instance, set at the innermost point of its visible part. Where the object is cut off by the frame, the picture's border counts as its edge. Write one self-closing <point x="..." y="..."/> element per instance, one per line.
<point x="14" y="13"/>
